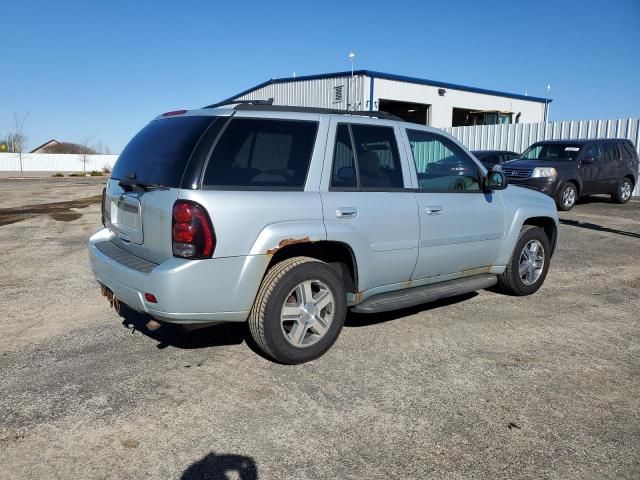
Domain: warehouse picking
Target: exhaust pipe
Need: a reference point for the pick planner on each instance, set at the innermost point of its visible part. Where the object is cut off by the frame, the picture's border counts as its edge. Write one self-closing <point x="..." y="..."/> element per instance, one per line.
<point x="116" y="305"/>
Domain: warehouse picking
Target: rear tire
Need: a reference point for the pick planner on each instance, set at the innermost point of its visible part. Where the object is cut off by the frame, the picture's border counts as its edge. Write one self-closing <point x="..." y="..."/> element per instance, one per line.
<point x="299" y="310"/>
<point x="623" y="191"/>
<point x="567" y="196"/>
<point x="529" y="263"/>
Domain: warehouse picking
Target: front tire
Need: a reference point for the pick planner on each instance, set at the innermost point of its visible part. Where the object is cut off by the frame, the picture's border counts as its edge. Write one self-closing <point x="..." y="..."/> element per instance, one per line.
<point x="299" y="310"/>
<point x="529" y="263"/>
<point x="567" y="197"/>
<point x="623" y="191"/>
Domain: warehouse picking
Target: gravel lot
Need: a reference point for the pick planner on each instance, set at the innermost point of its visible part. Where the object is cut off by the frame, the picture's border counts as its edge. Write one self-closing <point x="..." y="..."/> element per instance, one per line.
<point x="484" y="386"/>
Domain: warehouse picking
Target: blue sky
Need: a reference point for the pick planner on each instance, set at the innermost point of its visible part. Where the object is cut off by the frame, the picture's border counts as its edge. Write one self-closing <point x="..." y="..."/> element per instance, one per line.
<point x="104" y="69"/>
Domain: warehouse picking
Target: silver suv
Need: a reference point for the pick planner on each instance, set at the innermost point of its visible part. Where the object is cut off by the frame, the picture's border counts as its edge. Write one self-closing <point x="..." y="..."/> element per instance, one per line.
<point x="287" y="217"/>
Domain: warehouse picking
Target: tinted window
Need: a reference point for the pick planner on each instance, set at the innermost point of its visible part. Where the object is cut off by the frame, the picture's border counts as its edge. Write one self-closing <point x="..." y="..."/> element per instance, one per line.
<point x="262" y="153"/>
<point x="441" y="165"/>
<point x="611" y="153"/>
<point x="491" y="159"/>
<point x="378" y="158"/>
<point x="630" y="152"/>
<point x="344" y="173"/>
<point x="159" y="153"/>
<point x="552" y="151"/>
<point x="594" y="150"/>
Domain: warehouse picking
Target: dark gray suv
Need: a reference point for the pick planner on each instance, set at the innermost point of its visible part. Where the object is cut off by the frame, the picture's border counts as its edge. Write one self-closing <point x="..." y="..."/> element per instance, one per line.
<point x="569" y="169"/>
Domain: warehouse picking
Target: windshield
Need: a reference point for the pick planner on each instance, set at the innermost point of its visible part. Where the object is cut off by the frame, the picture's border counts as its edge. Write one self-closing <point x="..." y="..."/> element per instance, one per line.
<point x="159" y="153"/>
<point x="552" y="151"/>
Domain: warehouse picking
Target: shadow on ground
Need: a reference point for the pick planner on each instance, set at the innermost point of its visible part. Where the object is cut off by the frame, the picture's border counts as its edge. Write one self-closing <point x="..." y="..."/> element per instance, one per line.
<point x="364" y="320"/>
<point x="167" y="334"/>
<point x="598" y="228"/>
<point x="215" y="466"/>
<point x="235" y="333"/>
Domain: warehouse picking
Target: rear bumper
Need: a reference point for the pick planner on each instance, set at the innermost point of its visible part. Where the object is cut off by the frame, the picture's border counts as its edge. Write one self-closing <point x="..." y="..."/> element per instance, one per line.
<point x="187" y="291"/>
<point x="546" y="185"/>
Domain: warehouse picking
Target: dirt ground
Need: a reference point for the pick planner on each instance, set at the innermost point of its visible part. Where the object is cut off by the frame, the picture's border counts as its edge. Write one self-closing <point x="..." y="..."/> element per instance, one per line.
<point x="483" y="386"/>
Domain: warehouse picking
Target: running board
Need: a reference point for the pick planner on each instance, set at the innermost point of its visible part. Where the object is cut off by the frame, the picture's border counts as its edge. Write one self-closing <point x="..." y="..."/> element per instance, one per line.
<point x="411" y="297"/>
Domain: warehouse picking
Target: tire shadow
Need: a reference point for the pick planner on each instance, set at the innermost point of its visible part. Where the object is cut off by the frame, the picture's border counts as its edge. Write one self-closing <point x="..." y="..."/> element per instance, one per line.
<point x="216" y="466"/>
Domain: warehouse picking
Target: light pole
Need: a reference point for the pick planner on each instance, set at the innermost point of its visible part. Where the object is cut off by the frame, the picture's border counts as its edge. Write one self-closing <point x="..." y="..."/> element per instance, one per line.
<point x="546" y="102"/>
<point x="352" y="57"/>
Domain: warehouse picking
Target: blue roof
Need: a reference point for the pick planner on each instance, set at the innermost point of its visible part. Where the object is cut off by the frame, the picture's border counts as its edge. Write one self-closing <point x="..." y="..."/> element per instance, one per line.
<point x="391" y="76"/>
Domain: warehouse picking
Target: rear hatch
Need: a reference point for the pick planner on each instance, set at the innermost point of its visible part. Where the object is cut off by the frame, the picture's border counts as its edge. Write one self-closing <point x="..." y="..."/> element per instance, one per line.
<point x="145" y="183"/>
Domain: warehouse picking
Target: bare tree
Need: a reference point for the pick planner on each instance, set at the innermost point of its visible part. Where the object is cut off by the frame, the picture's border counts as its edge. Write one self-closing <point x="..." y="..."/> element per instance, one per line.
<point x="86" y="149"/>
<point x="17" y="138"/>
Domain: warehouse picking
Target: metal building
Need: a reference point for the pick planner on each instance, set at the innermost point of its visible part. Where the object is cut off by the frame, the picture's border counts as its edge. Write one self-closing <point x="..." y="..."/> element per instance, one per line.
<point x="427" y="102"/>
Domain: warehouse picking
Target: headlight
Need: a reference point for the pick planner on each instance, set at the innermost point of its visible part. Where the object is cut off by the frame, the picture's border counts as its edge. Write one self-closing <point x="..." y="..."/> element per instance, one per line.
<point x="541" y="172"/>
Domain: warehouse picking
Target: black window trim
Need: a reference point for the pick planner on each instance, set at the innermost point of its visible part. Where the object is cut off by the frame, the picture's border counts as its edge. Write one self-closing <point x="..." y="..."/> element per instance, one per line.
<point x="358" y="187"/>
<point x="480" y="177"/>
<point x="257" y="188"/>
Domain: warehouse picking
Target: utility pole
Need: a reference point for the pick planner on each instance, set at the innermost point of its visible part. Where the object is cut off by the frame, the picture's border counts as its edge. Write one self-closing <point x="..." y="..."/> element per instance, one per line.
<point x="546" y="101"/>
<point x="352" y="57"/>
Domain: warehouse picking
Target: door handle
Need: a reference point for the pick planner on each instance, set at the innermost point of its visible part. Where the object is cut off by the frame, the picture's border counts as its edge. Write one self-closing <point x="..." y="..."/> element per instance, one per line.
<point x="346" y="212"/>
<point x="433" y="210"/>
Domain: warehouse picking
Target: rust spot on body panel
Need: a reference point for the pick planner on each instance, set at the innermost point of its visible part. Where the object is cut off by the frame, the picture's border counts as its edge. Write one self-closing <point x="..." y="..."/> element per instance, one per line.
<point x="286" y="242"/>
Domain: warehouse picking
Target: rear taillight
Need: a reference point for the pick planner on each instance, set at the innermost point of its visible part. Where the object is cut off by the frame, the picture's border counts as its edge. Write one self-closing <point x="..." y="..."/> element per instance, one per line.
<point x="191" y="231"/>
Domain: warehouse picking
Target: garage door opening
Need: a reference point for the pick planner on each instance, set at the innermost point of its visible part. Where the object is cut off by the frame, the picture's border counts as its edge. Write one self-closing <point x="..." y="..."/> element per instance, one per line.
<point x="463" y="117"/>
<point x="411" y="112"/>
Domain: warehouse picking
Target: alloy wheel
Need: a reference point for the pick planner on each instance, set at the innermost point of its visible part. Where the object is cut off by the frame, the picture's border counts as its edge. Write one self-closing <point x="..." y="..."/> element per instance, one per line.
<point x="307" y="313"/>
<point x="531" y="262"/>
<point x="569" y="196"/>
<point x="625" y="190"/>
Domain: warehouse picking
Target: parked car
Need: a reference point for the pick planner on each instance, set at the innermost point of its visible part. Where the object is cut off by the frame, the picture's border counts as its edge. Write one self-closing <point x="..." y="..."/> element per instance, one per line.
<point x="286" y="217"/>
<point x="491" y="158"/>
<point x="569" y="169"/>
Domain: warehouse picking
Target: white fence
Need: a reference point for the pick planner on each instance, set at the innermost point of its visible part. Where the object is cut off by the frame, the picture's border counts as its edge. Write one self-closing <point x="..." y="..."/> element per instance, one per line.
<point x="519" y="136"/>
<point x="55" y="162"/>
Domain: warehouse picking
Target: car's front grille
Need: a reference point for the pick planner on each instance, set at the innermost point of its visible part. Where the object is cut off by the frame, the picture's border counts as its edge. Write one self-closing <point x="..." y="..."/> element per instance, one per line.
<point x="517" y="172"/>
<point x="125" y="258"/>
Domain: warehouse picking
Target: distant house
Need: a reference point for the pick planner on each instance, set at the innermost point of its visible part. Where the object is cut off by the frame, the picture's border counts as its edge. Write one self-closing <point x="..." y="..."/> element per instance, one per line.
<point x="54" y="146"/>
<point x="45" y="146"/>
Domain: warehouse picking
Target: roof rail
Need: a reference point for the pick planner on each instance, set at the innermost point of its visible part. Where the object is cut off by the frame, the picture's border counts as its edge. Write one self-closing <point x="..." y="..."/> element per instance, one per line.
<point x="286" y="108"/>
<point x="268" y="101"/>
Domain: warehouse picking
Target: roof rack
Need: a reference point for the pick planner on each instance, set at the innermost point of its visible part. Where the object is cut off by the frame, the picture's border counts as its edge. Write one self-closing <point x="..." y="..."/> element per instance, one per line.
<point x="286" y="108"/>
<point x="268" y="101"/>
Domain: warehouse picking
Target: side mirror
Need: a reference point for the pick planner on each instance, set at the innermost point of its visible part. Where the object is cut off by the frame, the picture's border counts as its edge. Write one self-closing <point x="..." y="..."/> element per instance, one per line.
<point x="495" y="180"/>
<point x="588" y="161"/>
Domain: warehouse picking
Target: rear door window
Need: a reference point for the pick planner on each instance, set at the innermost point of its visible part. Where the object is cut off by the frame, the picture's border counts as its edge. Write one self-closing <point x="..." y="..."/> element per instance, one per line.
<point x="611" y="153"/>
<point x="378" y="157"/>
<point x="160" y="152"/>
<point x="344" y="170"/>
<point x="366" y="158"/>
<point x="257" y="153"/>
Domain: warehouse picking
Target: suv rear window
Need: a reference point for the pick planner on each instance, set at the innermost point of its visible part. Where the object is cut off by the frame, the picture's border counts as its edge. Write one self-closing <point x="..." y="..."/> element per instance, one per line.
<point x="630" y="152"/>
<point x="159" y="153"/>
<point x="262" y="153"/>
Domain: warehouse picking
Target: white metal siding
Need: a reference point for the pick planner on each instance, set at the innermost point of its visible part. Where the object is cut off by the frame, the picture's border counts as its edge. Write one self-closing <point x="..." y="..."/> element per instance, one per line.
<point x="519" y="136"/>
<point x="312" y="93"/>
<point x="321" y="93"/>
<point x="54" y="162"/>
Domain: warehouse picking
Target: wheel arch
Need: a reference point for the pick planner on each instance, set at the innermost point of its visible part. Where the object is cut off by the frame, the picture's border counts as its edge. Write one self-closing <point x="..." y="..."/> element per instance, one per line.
<point x="577" y="183"/>
<point x="338" y="255"/>
<point x="548" y="225"/>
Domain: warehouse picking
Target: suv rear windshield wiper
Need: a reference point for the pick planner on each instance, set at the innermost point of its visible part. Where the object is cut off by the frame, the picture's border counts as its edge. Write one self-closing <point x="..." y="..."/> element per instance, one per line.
<point x="142" y="186"/>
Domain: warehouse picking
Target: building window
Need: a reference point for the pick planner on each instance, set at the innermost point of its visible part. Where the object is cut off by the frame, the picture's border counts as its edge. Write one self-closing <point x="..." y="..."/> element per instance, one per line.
<point x="337" y="93"/>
